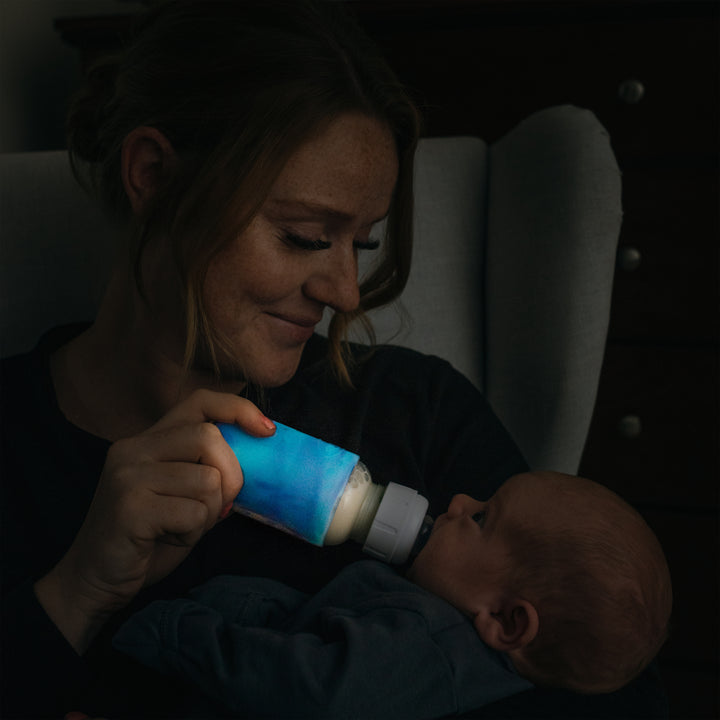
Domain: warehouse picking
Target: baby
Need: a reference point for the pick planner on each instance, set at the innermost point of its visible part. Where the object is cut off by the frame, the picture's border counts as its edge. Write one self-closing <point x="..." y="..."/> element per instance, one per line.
<point x="553" y="581"/>
<point x="559" y="573"/>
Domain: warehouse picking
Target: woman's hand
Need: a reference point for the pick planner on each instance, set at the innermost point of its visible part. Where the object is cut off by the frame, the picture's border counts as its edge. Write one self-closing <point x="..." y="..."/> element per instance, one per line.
<point x="159" y="493"/>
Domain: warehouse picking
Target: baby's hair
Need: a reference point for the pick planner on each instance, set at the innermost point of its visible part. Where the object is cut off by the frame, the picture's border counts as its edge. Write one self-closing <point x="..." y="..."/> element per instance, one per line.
<point x="601" y="587"/>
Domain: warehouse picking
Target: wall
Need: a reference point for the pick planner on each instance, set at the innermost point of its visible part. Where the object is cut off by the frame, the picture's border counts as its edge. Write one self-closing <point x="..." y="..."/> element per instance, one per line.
<point x="38" y="71"/>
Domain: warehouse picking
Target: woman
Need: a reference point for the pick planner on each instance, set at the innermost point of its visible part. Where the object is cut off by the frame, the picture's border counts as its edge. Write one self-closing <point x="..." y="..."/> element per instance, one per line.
<point x="247" y="150"/>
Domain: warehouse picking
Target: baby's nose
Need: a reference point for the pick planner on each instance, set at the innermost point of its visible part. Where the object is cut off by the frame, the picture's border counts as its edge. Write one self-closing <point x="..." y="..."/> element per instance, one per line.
<point x="464" y="505"/>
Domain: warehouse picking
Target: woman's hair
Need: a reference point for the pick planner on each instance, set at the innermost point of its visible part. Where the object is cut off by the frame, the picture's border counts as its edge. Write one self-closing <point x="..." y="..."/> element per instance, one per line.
<point x="237" y="86"/>
<point x="601" y="587"/>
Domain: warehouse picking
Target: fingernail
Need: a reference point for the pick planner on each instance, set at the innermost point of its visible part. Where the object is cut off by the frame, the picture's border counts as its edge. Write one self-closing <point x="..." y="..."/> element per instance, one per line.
<point x="226" y="511"/>
<point x="268" y="423"/>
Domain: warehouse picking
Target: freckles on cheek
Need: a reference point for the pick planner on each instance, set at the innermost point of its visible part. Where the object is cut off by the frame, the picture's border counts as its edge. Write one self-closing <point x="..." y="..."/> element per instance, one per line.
<point x="236" y="283"/>
<point x="252" y="270"/>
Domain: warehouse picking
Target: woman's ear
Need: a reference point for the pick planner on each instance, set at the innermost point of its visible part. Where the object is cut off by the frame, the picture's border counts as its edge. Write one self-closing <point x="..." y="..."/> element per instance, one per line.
<point x="509" y="625"/>
<point x="146" y="157"/>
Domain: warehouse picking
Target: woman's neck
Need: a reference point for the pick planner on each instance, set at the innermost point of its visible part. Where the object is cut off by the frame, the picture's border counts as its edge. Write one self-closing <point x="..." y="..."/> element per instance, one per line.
<point x="123" y="374"/>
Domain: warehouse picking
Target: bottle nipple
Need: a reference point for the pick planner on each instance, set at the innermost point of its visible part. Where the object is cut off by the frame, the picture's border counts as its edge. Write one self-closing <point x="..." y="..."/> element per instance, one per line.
<point x="422" y="537"/>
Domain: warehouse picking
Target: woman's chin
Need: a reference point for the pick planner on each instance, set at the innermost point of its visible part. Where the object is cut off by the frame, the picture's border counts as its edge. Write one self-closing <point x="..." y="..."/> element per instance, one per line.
<point x="269" y="366"/>
<point x="274" y="372"/>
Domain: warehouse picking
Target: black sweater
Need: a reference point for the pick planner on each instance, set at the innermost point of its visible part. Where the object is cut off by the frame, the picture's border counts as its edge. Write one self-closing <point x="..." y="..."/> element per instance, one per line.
<point x="411" y="418"/>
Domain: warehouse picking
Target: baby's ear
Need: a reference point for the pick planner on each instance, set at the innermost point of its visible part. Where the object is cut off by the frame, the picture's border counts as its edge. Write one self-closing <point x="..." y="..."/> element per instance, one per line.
<point x="509" y="625"/>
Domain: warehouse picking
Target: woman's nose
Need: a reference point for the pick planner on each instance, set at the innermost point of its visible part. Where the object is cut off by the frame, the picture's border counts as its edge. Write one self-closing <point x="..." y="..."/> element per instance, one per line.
<point x="335" y="283"/>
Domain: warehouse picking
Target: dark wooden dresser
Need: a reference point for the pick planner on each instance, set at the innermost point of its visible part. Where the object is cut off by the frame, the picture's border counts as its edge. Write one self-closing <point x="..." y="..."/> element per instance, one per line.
<point x="649" y="71"/>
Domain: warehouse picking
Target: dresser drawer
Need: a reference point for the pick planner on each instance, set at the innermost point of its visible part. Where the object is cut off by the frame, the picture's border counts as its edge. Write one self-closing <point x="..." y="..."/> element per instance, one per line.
<point x="690" y="542"/>
<point x="666" y="281"/>
<point x="666" y="76"/>
<point x="654" y="434"/>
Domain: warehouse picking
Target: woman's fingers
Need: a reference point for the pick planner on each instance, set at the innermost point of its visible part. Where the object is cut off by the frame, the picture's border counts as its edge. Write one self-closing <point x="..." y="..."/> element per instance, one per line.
<point x="200" y="444"/>
<point x="188" y="433"/>
<point x="182" y="521"/>
<point x="210" y="406"/>
<point x="202" y="484"/>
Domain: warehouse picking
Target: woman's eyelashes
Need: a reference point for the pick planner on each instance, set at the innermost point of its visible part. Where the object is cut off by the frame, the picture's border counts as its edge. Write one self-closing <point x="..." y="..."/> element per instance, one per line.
<point x="306" y="243"/>
<point x="366" y="244"/>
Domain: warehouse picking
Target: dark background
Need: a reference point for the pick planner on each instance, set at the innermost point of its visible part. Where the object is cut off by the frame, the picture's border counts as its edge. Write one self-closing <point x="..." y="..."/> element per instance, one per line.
<point x="649" y="71"/>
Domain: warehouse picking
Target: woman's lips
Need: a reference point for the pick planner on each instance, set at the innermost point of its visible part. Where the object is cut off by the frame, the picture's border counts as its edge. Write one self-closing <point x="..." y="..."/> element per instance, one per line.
<point x="294" y="329"/>
<point x="302" y="320"/>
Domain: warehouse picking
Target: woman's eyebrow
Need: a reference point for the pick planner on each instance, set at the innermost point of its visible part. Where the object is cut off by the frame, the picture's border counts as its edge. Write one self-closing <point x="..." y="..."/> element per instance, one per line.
<point x="309" y="207"/>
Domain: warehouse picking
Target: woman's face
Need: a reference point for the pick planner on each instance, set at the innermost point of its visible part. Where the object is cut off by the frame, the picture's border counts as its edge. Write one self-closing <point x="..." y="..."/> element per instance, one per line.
<point x="266" y="291"/>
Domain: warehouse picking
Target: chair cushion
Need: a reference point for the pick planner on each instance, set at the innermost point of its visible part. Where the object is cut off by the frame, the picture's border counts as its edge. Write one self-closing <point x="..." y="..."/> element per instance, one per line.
<point x="553" y="223"/>
<point x="440" y="312"/>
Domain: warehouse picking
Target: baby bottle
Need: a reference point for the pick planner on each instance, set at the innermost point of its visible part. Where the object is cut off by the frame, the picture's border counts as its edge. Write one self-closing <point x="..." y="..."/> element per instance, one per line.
<point x="324" y="494"/>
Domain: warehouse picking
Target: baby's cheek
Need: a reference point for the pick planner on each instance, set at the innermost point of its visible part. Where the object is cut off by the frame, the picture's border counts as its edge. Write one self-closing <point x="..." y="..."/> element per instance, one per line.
<point x="425" y="570"/>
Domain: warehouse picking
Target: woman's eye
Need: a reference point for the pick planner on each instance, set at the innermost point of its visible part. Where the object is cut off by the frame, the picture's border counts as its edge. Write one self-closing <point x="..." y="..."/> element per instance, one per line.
<point x="367" y="244"/>
<point x="479" y="518"/>
<point x="307" y="243"/>
<point x="304" y="243"/>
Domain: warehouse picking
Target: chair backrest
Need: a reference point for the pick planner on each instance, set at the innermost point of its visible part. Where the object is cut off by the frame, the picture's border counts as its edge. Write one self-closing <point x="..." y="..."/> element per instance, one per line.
<point x="511" y="282"/>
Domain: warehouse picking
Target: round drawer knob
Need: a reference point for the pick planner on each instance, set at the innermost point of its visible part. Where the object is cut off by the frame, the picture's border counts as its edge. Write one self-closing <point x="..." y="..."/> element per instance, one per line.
<point x="631" y="91"/>
<point x="630" y="426"/>
<point x="629" y="258"/>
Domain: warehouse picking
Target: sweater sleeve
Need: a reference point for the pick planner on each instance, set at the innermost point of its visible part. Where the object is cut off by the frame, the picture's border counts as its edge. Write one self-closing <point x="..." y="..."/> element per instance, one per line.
<point x="379" y="661"/>
<point x="42" y="676"/>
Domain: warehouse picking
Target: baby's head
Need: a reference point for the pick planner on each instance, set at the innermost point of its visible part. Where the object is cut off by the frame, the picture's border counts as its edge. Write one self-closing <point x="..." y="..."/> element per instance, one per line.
<point x="558" y="572"/>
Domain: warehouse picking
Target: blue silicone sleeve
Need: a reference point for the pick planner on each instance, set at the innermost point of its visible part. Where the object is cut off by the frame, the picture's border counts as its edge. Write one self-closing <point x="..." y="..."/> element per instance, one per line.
<point x="291" y="480"/>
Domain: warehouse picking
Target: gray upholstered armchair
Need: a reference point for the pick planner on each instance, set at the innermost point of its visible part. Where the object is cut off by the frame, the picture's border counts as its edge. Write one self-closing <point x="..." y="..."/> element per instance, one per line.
<point x="511" y="281"/>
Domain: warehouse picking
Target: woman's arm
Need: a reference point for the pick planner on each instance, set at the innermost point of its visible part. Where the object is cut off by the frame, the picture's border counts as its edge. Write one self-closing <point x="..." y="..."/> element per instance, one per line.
<point x="159" y="493"/>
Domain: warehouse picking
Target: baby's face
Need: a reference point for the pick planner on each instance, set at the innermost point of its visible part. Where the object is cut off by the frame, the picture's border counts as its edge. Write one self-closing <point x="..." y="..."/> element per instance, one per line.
<point x="468" y="554"/>
<point x="465" y="552"/>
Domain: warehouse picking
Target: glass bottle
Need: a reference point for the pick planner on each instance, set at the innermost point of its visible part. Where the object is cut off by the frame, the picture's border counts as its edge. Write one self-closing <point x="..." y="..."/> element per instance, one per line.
<point x="325" y="494"/>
